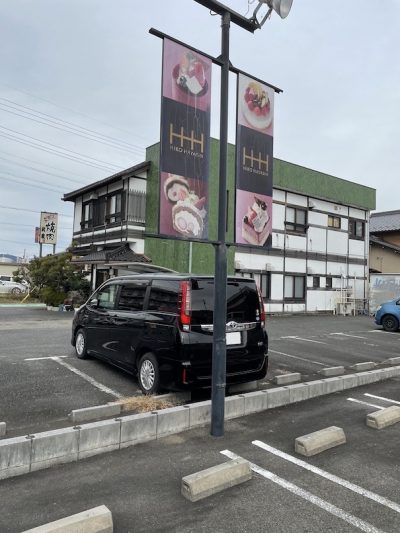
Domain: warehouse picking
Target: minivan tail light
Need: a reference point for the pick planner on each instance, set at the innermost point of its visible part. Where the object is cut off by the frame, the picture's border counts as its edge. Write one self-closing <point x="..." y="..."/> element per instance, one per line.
<point x="184" y="314"/>
<point x="261" y="302"/>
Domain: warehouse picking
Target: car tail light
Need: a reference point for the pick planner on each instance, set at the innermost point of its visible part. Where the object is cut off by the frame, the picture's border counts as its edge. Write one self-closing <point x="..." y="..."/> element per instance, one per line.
<point x="262" y="310"/>
<point x="184" y="376"/>
<point x="184" y="314"/>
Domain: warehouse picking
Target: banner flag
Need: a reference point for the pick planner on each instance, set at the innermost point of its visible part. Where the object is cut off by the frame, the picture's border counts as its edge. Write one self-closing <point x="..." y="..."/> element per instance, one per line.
<point x="254" y="160"/>
<point x="185" y="142"/>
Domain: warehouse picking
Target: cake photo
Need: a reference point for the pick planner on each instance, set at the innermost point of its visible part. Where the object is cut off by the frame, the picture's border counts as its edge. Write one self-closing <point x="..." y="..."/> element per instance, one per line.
<point x="255" y="223"/>
<point x="188" y="210"/>
<point x="189" y="79"/>
<point x="256" y="106"/>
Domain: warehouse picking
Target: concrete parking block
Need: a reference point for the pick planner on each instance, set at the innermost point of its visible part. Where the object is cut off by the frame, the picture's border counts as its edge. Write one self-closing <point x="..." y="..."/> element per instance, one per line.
<point x="3" y="428"/>
<point x="384" y="417"/>
<point x="367" y="365"/>
<point x="172" y="420"/>
<point x="212" y="480"/>
<point x="99" y="437"/>
<point x="91" y="413"/>
<point x="392" y="361"/>
<point x="286" y="379"/>
<point x="277" y="397"/>
<point x="350" y="381"/>
<point x="234" y="406"/>
<point x="333" y="385"/>
<point x="298" y="392"/>
<point x="54" y="447"/>
<point x="254" y="402"/>
<point x="199" y="413"/>
<point x="138" y="428"/>
<point x="319" y="441"/>
<point x="15" y="456"/>
<point x="332" y="371"/>
<point x="96" y="520"/>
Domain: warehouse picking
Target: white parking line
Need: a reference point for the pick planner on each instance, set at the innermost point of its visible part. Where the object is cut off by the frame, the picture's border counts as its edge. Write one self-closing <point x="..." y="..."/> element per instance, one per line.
<point x="382" y="398"/>
<point x="331" y="477"/>
<point x="311" y="498"/>
<point x="87" y="378"/>
<point x="365" y="403"/>
<point x="347" y="335"/>
<point x="297" y="357"/>
<point x="301" y="339"/>
<point x="41" y="358"/>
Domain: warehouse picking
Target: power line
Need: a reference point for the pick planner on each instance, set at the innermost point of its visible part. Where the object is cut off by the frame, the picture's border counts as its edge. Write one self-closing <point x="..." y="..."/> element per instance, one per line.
<point x="129" y="132"/>
<point x="27" y="225"/>
<point x="29" y="161"/>
<point x="35" y="139"/>
<point x="35" y="184"/>
<point x="55" y="152"/>
<point x="31" y="210"/>
<point x="58" y="124"/>
<point x="40" y="171"/>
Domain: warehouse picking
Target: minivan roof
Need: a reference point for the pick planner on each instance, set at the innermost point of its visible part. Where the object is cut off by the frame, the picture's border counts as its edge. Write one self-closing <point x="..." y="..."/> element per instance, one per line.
<point x="172" y="276"/>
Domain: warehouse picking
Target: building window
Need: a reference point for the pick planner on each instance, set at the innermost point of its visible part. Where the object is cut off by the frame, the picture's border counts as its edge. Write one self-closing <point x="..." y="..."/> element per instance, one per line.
<point x="87" y="215"/>
<point x="316" y="282"/>
<point x="296" y="220"/>
<point x="356" y="229"/>
<point x="328" y="283"/>
<point x="114" y="208"/>
<point x="334" y="222"/>
<point x="294" y="287"/>
<point x="263" y="281"/>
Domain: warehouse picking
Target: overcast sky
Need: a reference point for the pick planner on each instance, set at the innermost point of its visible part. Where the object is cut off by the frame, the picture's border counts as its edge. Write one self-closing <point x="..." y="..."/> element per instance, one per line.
<point x="91" y="70"/>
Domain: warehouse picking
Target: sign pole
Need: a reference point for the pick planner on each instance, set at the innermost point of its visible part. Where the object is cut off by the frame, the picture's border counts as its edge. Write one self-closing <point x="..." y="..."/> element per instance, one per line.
<point x="219" y="337"/>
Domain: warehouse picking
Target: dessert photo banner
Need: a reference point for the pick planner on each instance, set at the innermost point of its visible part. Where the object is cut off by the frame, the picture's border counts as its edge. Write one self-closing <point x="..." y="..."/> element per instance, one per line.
<point x="254" y="160"/>
<point x="185" y="142"/>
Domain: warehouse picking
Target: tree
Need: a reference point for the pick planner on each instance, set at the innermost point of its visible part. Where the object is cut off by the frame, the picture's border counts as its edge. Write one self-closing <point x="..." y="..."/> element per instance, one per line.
<point x="53" y="278"/>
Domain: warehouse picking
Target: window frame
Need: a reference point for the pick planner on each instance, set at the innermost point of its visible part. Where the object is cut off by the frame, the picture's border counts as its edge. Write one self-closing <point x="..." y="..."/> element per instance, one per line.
<point x="330" y="284"/>
<point x="87" y="223"/>
<point x="294" y="298"/>
<point x="316" y="282"/>
<point x="353" y="224"/>
<point x="113" y="214"/>
<point x="331" y="222"/>
<point x="294" y="226"/>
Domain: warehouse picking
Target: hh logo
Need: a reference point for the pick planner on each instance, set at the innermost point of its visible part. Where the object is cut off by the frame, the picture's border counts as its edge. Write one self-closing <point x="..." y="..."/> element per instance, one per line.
<point x="251" y="160"/>
<point x="182" y="138"/>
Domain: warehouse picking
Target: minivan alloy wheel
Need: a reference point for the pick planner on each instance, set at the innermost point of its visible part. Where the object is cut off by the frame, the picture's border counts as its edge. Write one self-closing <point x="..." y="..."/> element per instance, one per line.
<point x="148" y="374"/>
<point x="80" y="344"/>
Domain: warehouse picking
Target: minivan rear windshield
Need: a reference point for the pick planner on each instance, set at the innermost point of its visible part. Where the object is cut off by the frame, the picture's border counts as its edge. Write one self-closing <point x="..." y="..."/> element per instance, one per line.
<point x="242" y="301"/>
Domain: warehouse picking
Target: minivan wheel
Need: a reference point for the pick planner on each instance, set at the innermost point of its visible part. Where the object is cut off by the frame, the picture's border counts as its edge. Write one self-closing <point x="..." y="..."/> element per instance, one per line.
<point x="390" y="323"/>
<point x="148" y="374"/>
<point x="80" y="344"/>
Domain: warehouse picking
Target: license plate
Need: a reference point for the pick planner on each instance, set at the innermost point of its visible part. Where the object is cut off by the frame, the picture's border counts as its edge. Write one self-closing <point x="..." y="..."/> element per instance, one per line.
<point x="233" y="337"/>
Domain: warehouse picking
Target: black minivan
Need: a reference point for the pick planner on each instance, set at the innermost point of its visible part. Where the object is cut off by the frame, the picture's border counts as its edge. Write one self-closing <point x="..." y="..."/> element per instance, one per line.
<point x="160" y="328"/>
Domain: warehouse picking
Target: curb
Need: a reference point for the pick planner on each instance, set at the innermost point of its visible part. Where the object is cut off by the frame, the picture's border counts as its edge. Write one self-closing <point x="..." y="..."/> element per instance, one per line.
<point x="21" y="455"/>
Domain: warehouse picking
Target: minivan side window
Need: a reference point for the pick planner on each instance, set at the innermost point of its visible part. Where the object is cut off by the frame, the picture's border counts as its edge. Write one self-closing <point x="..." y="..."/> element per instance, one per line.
<point x="106" y="297"/>
<point x="131" y="297"/>
<point x="164" y="296"/>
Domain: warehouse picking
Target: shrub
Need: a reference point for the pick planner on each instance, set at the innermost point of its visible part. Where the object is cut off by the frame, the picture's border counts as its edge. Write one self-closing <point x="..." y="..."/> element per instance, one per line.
<point x="52" y="297"/>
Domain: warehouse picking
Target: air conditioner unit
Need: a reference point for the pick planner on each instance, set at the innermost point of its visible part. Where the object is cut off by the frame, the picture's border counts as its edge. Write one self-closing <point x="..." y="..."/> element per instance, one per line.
<point x="268" y="266"/>
<point x="336" y="207"/>
<point x="310" y="270"/>
<point x="238" y="265"/>
<point x="311" y="204"/>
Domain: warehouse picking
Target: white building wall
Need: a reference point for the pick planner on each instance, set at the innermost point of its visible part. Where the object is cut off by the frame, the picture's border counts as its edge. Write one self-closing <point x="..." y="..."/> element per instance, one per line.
<point x="337" y="242"/>
<point x="316" y="239"/>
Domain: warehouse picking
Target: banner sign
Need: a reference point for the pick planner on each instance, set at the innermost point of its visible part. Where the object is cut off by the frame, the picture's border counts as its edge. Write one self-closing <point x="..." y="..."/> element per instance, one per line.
<point x="185" y="142"/>
<point x="254" y="159"/>
<point x="48" y="228"/>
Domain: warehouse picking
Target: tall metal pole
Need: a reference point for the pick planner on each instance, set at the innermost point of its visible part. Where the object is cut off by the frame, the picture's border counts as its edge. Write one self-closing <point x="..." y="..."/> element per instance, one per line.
<point x="219" y="337"/>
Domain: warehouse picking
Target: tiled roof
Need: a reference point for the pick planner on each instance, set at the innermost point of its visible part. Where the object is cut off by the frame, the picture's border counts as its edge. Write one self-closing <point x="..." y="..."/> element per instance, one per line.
<point x="386" y="221"/>
<point x="380" y="242"/>
<point x="122" y="254"/>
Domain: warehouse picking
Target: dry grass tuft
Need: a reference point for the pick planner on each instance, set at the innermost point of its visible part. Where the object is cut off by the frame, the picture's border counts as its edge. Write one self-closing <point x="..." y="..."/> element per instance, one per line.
<point x="144" y="404"/>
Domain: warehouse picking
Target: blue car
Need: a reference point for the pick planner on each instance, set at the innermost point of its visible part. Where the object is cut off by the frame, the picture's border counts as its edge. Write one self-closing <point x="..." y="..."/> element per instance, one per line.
<point x="388" y="315"/>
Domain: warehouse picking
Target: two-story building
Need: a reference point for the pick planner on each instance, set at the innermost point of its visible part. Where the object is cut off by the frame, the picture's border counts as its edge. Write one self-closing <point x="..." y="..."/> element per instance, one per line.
<point x="318" y="260"/>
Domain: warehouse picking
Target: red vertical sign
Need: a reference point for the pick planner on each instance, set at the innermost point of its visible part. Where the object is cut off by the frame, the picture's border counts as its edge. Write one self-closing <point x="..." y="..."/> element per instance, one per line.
<point x="185" y="142"/>
<point x="254" y="159"/>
